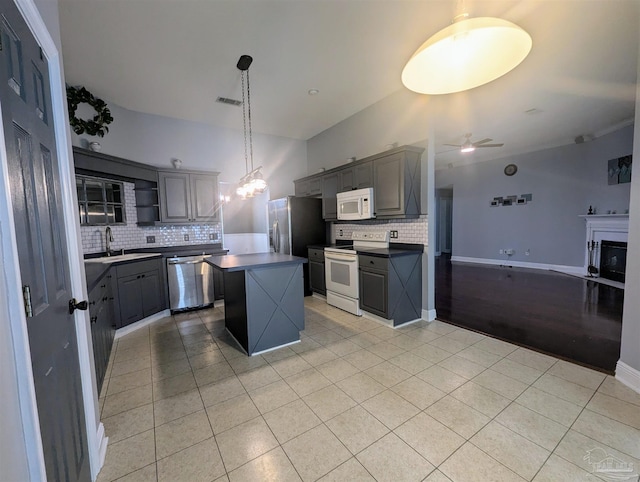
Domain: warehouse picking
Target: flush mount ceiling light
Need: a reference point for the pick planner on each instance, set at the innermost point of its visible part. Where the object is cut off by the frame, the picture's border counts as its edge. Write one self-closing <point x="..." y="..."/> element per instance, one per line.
<point x="466" y="54"/>
<point x="252" y="182"/>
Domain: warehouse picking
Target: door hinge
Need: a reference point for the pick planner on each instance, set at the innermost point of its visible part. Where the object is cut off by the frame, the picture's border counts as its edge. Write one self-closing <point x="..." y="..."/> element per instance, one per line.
<point x="26" y="294"/>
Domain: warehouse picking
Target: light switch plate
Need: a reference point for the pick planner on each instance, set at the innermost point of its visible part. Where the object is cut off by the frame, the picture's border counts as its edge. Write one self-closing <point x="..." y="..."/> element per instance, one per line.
<point x="186" y="237"/>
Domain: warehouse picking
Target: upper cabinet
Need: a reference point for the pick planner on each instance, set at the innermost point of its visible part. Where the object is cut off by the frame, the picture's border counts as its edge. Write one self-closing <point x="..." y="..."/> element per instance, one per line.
<point x="161" y="196"/>
<point x="396" y="184"/>
<point x="394" y="176"/>
<point x="359" y="176"/>
<point x="308" y="187"/>
<point x="188" y="197"/>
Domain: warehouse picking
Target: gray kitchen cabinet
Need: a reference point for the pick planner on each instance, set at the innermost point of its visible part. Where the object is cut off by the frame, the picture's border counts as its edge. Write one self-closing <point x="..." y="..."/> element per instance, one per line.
<point x="392" y="287"/>
<point x="359" y="176"/>
<point x="188" y="197"/>
<point x="396" y="184"/>
<point x="394" y="176"/>
<point x="330" y="184"/>
<point x="218" y="284"/>
<point x="144" y="177"/>
<point x="308" y="187"/>
<point x="141" y="292"/>
<point x="316" y="271"/>
<point x="101" y="316"/>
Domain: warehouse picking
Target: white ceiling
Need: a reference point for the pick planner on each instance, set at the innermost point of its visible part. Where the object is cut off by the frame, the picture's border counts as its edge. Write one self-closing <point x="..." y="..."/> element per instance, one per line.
<point x="174" y="58"/>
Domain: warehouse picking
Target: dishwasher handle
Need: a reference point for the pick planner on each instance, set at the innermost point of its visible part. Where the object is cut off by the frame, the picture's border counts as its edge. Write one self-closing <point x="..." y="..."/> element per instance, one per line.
<point x="177" y="261"/>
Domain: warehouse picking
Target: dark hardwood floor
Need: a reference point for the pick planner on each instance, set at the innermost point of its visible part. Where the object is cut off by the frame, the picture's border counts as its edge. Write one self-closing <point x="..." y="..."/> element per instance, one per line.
<point x="566" y="316"/>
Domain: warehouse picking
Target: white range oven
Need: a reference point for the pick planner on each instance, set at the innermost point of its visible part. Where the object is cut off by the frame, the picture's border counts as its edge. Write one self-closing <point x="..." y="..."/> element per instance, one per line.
<point x="341" y="269"/>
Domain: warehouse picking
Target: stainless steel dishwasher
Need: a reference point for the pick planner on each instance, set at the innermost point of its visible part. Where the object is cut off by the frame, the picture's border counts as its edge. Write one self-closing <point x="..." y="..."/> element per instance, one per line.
<point x="190" y="282"/>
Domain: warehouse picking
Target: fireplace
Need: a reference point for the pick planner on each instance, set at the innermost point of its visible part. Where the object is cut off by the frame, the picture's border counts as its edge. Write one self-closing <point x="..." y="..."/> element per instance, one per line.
<point x="613" y="260"/>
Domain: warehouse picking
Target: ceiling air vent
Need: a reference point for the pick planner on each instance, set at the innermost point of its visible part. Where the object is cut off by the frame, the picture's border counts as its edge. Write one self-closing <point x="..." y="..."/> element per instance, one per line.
<point x="226" y="100"/>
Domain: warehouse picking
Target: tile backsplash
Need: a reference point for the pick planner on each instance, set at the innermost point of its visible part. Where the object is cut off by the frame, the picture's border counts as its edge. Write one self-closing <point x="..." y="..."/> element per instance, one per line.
<point x="132" y="236"/>
<point x="409" y="230"/>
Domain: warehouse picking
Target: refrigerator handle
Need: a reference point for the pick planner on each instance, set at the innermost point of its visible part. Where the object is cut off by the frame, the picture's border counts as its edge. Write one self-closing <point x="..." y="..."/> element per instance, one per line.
<point x="276" y="237"/>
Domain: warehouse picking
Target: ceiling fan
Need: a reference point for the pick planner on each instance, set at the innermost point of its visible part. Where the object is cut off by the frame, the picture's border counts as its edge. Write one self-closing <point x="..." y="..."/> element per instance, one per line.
<point x="468" y="146"/>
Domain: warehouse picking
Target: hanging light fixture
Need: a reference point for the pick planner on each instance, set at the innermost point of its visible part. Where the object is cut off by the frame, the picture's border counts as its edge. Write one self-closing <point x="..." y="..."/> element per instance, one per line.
<point x="252" y="182"/>
<point x="468" y="53"/>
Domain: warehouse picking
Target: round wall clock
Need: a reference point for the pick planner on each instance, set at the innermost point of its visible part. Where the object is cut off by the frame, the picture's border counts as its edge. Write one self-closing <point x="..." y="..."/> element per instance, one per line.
<point x="510" y="169"/>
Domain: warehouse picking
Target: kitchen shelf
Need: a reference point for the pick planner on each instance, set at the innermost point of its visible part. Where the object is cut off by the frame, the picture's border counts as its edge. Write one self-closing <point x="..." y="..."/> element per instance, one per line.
<point x="147" y="202"/>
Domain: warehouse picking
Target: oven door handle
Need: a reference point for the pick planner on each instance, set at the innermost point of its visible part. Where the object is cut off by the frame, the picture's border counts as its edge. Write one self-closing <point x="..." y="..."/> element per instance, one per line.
<point x="346" y="258"/>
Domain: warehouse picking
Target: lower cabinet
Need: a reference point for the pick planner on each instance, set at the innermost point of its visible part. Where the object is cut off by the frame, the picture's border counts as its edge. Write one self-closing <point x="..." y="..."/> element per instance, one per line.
<point x="392" y="287"/>
<point x="101" y="315"/>
<point x="316" y="271"/>
<point x="218" y="284"/>
<point x="141" y="292"/>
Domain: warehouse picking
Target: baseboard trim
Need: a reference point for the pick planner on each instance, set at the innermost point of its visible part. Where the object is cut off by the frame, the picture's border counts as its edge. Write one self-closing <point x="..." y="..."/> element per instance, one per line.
<point x="103" y="441"/>
<point x="574" y="270"/>
<point x="628" y="375"/>
<point x="428" y="315"/>
<point x="125" y="330"/>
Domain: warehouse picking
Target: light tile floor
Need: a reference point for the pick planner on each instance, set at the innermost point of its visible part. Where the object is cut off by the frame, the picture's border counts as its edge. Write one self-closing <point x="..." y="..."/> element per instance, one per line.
<point x="356" y="400"/>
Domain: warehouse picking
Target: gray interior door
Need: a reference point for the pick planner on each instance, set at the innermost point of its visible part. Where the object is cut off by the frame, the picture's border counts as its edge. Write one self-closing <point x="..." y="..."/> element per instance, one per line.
<point x="35" y="192"/>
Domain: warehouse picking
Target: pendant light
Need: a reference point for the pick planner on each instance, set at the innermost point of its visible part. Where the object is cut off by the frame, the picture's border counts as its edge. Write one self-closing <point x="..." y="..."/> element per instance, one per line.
<point x="252" y="182"/>
<point x="468" y="53"/>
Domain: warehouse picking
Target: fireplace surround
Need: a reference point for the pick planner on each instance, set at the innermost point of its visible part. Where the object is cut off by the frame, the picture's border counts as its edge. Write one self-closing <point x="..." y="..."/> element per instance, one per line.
<point x="613" y="231"/>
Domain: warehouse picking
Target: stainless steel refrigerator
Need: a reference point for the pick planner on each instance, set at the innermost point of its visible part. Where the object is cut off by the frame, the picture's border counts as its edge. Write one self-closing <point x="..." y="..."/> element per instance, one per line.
<point x="294" y="224"/>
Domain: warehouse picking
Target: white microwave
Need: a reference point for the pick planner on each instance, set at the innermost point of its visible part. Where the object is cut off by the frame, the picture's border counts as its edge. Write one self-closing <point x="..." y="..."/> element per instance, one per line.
<point x="356" y="204"/>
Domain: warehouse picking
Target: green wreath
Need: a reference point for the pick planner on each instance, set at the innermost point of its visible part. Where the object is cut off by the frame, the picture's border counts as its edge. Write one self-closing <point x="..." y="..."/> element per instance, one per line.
<point x="94" y="127"/>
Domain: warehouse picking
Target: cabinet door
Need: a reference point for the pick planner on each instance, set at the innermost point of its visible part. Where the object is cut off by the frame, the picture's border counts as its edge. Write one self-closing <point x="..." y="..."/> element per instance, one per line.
<point x="175" y="197"/>
<point x="130" y="299"/>
<point x="301" y="188"/>
<point x="150" y="293"/>
<point x="218" y="284"/>
<point x="347" y="179"/>
<point x="389" y="185"/>
<point x="204" y="198"/>
<point x="315" y="186"/>
<point x="374" y="292"/>
<point x="363" y="175"/>
<point x="329" y="191"/>
<point x="317" y="277"/>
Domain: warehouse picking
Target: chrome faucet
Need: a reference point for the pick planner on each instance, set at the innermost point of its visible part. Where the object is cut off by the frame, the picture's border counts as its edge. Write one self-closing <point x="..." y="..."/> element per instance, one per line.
<point x="109" y="238"/>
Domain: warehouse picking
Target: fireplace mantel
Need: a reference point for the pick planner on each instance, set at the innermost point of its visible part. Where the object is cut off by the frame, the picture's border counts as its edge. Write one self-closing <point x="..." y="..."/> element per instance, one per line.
<point x="609" y="227"/>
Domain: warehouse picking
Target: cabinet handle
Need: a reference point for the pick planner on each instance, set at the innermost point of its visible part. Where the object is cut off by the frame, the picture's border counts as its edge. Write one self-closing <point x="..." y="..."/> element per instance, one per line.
<point x="91" y="303"/>
<point x="105" y="298"/>
<point x="103" y="286"/>
<point x="138" y="277"/>
<point x="94" y="319"/>
<point x="371" y="262"/>
<point x="142" y="276"/>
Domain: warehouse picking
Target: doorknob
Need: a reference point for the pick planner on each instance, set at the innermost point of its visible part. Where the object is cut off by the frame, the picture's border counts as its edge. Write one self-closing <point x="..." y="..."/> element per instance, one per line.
<point x="77" y="305"/>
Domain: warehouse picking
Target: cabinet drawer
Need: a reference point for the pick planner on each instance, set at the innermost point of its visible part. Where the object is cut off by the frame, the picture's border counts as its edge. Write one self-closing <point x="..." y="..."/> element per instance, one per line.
<point x="317" y="254"/>
<point x="138" y="267"/>
<point x="373" y="262"/>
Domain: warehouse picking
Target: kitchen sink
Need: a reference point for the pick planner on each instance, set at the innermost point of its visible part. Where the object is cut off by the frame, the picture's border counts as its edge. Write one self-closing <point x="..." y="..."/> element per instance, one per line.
<point x="121" y="257"/>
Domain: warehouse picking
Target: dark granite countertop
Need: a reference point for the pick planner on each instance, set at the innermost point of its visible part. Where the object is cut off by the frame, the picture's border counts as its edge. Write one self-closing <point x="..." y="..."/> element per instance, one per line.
<point x="243" y="262"/>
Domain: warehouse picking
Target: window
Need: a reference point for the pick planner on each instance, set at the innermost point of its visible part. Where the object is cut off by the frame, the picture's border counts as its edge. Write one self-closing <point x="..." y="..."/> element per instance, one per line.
<point x="100" y="201"/>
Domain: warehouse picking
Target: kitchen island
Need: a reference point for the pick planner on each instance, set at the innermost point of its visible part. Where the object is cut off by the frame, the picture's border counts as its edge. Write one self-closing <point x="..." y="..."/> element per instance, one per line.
<point x="264" y="299"/>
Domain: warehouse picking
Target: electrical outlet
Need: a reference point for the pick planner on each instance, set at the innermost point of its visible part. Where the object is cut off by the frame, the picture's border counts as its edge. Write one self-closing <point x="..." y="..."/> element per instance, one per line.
<point x="527" y="252"/>
<point x="509" y="251"/>
<point x="341" y="232"/>
<point x="186" y="237"/>
<point x="393" y="234"/>
<point x="213" y="236"/>
<point x="502" y="251"/>
<point x="151" y="239"/>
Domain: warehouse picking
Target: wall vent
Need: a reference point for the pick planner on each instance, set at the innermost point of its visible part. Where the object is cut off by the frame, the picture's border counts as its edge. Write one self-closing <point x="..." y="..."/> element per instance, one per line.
<point x="226" y="100"/>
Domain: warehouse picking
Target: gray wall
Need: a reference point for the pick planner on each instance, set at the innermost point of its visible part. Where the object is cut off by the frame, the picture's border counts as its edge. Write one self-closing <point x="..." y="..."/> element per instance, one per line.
<point x="156" y="140"/>
<point x="564" y="181"/>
